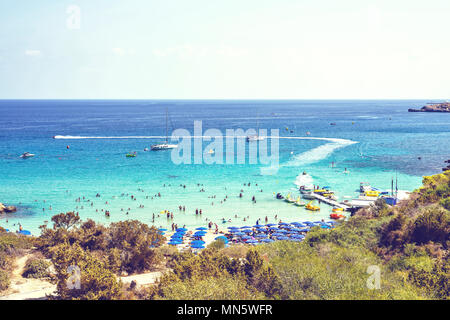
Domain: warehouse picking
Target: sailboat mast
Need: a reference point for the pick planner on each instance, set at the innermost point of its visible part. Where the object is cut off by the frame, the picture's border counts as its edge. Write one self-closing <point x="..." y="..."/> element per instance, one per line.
<point x="167" y="132"/>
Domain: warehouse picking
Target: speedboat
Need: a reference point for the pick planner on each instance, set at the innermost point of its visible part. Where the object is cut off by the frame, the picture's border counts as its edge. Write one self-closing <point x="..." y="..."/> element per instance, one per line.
<point x="279" y="196"/>
<point x="308" y="196"/>
<point x="305" y="189"/>
<point x="364" y="186"/>
<point x="26" y="155"/>
<point x="163" y="146"/>
<point x="255" y="138"/>
<point x="211" y="151"/>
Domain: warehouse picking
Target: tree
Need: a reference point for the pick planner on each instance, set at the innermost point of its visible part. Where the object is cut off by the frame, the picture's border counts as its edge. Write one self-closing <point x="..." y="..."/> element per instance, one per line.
<point x="65" y="220"/>
<point x="94" y="281"/>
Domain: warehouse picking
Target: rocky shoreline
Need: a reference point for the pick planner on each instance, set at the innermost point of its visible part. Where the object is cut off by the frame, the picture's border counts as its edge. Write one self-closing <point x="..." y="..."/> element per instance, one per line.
<point x="433" y="107"/>
<point x="7" y="209"/>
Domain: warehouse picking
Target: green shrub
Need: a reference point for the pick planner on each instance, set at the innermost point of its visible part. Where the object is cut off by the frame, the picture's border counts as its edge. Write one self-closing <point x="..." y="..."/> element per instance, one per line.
<point x="4" y="280"/>
<point x="36" y="268"/>
<point x="432" y="225"/>
<point x="97" y="282"/>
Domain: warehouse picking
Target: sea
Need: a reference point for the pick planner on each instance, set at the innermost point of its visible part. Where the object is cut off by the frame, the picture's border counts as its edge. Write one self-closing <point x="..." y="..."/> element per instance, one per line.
<point x="80" y="161"/>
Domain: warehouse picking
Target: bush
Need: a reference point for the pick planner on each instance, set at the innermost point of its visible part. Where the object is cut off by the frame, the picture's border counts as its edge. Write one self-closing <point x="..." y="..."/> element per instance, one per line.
<point x="432" y="225"/>
<point x="4" y="280"/>
<point x="96" y="281"/>
<point x="445" y="203"/>
<point x="36" y="268"/>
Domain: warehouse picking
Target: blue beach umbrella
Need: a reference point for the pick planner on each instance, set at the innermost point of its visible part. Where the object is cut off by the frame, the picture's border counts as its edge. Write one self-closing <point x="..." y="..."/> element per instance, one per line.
<point x="25" y="232"/>
<point x="260" y="236"/>
<point x="252" y="241"/>
<point x="278" y="234"/>
<point x="283" y="238"/>
<point x="245" y="237"/>
<point x="201" y="228"/>
<point x="283" y="223"/>
<point x="221" y="238"/>
<point x="274" y="228"/>
<point x="296" y="240"/>
<point x="198" y="242"/>
<point x="162" y="229"/>
<point x="198" y="246"/>
<point x="181" y="229"/>
<point x="239" y="234"/>
<point x="246" y="227"/>
<point x="271" y="224"/>
<point x="267" y="240"/>
<point x="247" y="231"/>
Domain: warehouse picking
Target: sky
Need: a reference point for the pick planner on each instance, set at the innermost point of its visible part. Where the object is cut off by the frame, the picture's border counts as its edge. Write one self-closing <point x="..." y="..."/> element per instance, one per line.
<point x="224" y="49"/>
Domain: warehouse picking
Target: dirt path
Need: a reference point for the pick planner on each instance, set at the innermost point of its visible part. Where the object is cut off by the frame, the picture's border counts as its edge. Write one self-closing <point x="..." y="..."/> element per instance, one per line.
<point x="24" y="288"/>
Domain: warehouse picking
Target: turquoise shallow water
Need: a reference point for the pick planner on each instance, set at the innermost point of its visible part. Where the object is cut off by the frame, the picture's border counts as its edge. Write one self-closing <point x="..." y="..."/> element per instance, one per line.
<point x="380" y="140"/>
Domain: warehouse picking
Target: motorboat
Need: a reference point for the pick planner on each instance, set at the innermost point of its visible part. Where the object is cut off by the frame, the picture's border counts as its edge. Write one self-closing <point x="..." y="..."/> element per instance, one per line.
<point x="26" y="155"/>
<point x="211" y="151"/>
<point x="337" y="216"/>
<point x="279" y="196"/>
<point x="305" y="189"/>
<point x="308" y="196"/>
<point x="364" y="186"/>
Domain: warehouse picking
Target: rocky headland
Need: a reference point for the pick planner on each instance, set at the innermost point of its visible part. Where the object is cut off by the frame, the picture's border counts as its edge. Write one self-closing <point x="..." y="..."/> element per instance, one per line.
<point x="7" y="209"/>
<point x="433" y="107"/>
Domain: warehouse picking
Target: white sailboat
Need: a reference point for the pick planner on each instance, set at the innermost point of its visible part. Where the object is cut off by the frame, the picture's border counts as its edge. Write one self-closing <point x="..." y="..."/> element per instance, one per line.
<point x="26" y="155"/>
<point x="255" y="137"/>
<point x="165" y="145"/>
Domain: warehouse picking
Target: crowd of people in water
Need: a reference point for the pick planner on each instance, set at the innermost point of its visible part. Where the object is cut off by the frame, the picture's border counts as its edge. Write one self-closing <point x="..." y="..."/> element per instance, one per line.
<point x="83" y="203"/>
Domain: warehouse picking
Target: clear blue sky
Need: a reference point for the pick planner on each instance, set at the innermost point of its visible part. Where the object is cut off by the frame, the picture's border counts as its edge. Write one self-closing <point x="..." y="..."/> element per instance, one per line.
<point x="225" y="49"/>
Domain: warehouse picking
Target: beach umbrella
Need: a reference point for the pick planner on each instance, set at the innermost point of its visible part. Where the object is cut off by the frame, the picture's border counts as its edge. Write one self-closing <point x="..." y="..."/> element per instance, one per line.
<point x="197" y="246"/>
<point x="278" y="234"/>
<point x="271" y="224"/>
<point x="258" y="226"/>
<point x="283" y="224"/>
<point x="239" y="234"/>
<point x="274" y="228"/>
<point x="261" y="235"/>
<point x="267" y="240"/>
<point x="25" y="232"/>
<point x="245" y="237"/>
<point x="246" y="227"/>
<point x="282" y="231"/>
<point x="181" y="229"/>
<point x="200" y="232"/>
<point x="296" y="240"/>
<point x="198" y="242"/>
<point x="247" y="231"/>
<point x="282" y="238"/>
<point x="201" y="228"/>
<point x="221" y="238"/>
<point x="251" y="241"/>
<point x="233" y="228"/>
<point x="162" y="229"/>
<point x="297" y="236"/>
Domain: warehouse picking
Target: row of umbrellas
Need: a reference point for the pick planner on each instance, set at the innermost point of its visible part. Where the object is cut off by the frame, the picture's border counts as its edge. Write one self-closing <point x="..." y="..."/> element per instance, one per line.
<point x="267" y="233"/>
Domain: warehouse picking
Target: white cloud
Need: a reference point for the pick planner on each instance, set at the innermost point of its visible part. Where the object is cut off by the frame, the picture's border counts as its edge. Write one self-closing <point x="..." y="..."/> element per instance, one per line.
<point x="32" y="53"/>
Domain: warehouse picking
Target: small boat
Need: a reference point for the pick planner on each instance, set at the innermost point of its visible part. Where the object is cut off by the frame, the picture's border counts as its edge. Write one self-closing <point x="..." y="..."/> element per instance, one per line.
<point x="305" y="189"/>
<point x="279" y="196"/>
<point x="255" y="137"/>
<point x="211" y="151"/>
<point x="372" y="193"/>
<point x="289" y="198"/>
<point x="131" y="155"/>
<point x="308" y="196"/>
<point x="311" y="207"/>
<point x="337" y="209"/>
<point x="299" y="203"/>
<point x="337" y="216"/>
<point x="145" y="149"/>
<point x="26" y="155"/>
<point x="364" y="186"/>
